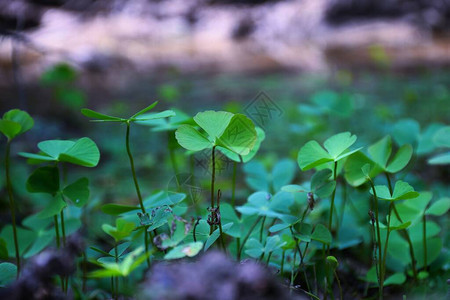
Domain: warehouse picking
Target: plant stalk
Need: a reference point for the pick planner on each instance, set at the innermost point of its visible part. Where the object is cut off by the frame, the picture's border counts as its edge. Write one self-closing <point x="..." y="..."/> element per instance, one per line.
<point x="12" y="204"/>
<point x="425" y="250"/>
<point x="55" y="219"/>
<point x="339" y="284"/>
<point x="136" y="185"/>
<point x="233" y="185"/>
<point x="247" y="236"/>
<point x="330" y="221"/>
<point x="404" y="231"/>
<point x="380" y="286"/>
<point x="383" y="270"/>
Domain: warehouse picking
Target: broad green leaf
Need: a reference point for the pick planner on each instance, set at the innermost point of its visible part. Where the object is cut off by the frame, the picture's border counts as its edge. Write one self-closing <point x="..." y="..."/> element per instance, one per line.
<point x="21" y="117"/>
<point x="312" y="155"/>
<point x="8" y="273"/>
<point x="159" y="217"/>
<point x="189" y="250"/>
<point x="260" y="136"/>
<point x="406" y="131"/>
<point x="15" y="122"/>
<point x="397" y="278"/>
<point x="215" y="235"/>
<point x="304" y="231"/>
<point x="402" y="191"/>
<point x="396" y="225"/>
<point x="321" y="234"/>
<point x="338" y="143"/>
<point x="434" y="246"/>
<point x="347" y="153"/>
<point x="213" y="122"/>
<point x="382" y="192"/>
<point x="54" y="207"/>
<point x="254" y="248"/>
<point x="442" y="137"/>
<point x="78" y="192"/>
<point x="441" y="159"/>
<point x="143" y="111"/>
<point x="279" y="227"/>
<point x="142" y="119"/>
<point x="320" y="178"/>
<point x="39" y="158"/>
<point x="272" y="243"/>
<point x="283" y="173"/>
<point x="84" y="153"/>
<point x="122" y="230"/>
<point x="54" y="148"/>
<point x="289" y="242"/>
<point x="44" y="238"/>
<point x="229" y="215"/>
<point x="3" y="249"/>
<point x="256" y="176"/>
<point x="44" y="180"/>
<point x="130" y="262"/>
<point x="294" y="188"/>
<point x="401" y="159"/>
<point x="25" y="239"/>
<point x="117" y="209"/>
<point x="9" y="128"/>
<point x="421" y="202"/>
<point x="439" y="207"/>
<point x="381" y="151"/>
<point x="239" y="136"/>
<point x="100" y="117"/>
<point x="416" y="231"/>
<point x="426" y="141"/>
<point x="353" y="169"/>
<point x="191" y="139"/>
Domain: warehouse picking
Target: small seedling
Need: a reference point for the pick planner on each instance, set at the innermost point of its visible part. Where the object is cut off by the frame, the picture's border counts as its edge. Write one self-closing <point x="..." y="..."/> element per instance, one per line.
<point x="14" y="123"/>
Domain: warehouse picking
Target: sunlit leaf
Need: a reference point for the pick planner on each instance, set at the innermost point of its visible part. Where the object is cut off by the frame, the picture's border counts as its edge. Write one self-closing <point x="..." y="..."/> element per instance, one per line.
<point x="78" y="192"/>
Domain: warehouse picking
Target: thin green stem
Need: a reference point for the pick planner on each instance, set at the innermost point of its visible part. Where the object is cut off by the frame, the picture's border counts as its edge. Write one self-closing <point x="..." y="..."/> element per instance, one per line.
<point x="173" y="159"/>
<point x="247" y="236"/>
<point x="12" y="205"/>
<point x="404" y="232"/>
<point x="133" y="171"/>
<point x="136" y="185"/>
<point x="292" y="271"/>
<point x="116" y="255"/>
<point x="339" y="283"/>
<point x="112" y="288"/>
<point x="55" y="219"/>
<point x="425" y="250"/>
<point x="375" y="198"/>
<point x="146" y="234"/>
<point x="330" y="220"/>
<point x="268" y="258"/>
<point x="261" y="230"/>
<point x="383" y="270"/>
<point x="63" y="228"/>
<point x="282" y="262"/>
<point x="84" y="272"/>
<point x="213" y="178"/>
<point x="233" y="185"/>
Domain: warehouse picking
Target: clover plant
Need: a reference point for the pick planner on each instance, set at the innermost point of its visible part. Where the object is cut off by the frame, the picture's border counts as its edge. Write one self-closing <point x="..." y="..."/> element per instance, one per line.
<point x="13" y="123"/>
<point x="221" y="130"/>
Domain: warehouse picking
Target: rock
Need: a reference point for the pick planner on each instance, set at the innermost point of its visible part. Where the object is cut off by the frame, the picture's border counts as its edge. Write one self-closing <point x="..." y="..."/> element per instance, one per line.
<point x="213" y="277"/>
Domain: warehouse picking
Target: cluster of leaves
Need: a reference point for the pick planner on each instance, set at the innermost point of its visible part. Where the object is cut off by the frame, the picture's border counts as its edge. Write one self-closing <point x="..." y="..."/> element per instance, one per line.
<point x="282" y="223"/>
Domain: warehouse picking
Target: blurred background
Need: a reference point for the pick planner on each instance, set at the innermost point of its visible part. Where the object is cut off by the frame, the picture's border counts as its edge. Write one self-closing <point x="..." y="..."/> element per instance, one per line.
<point x="323" y="66"/>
